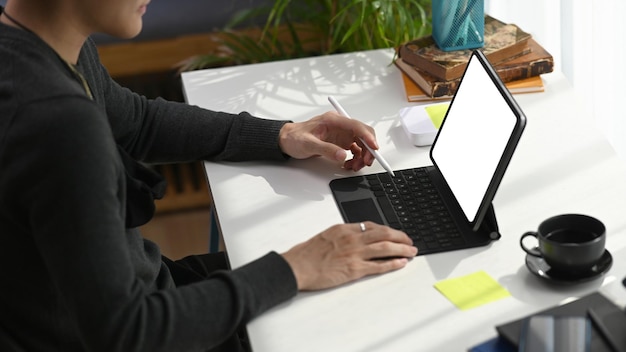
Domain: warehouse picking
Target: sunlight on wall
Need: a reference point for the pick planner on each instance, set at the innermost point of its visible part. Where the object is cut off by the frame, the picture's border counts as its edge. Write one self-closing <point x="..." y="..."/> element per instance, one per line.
<point x="586" y="39"/>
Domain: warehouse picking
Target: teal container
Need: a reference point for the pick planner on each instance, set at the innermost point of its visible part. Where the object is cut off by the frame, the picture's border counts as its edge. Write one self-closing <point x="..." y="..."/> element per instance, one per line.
<point x="458" y="24"/>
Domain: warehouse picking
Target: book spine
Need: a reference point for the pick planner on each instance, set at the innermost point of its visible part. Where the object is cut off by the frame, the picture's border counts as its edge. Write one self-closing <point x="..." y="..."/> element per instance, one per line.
<point x="440" y="89"/>
<point x="506" y="74"/>
<point x="535" y="68"/>
<point x="417" y="61"/>
<point x="411" y="72"/>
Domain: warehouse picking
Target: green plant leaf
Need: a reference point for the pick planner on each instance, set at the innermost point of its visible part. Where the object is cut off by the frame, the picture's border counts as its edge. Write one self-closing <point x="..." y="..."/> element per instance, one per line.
<point x="331" y="25"/>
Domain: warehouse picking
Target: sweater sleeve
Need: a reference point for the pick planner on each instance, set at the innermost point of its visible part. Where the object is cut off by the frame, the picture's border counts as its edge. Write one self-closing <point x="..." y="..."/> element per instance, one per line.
<point x="74" y="210"/>
<point x="156" y="130"/>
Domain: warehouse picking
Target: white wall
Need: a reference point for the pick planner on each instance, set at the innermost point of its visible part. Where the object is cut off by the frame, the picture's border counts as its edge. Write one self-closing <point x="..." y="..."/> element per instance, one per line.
<point x="587" y="39"/>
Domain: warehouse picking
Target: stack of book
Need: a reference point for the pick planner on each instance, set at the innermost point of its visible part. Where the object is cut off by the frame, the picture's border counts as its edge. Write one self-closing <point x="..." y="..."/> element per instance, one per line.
<point x="430" y="73"/>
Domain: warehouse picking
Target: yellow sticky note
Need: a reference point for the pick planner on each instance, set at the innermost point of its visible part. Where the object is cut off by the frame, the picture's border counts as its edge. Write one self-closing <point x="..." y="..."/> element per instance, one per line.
<point x="473" y="290"/>
<point x="437" y="112"/>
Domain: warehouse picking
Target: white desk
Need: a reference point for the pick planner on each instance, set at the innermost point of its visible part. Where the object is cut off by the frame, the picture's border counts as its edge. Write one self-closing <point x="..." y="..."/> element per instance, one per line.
<point x="562" y="165"/>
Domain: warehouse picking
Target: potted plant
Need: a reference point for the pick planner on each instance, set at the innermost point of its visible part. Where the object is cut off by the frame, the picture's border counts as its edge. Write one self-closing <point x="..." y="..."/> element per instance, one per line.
<point x="318" y="27"/>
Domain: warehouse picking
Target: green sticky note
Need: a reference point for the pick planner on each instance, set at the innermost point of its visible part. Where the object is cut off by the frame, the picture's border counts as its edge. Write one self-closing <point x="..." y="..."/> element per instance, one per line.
<point x="472" y="290"/>
<point x="437" y="112"/>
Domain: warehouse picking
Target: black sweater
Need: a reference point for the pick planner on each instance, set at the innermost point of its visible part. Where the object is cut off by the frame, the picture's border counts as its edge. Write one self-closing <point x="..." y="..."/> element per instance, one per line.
<point x="73" y="277"/>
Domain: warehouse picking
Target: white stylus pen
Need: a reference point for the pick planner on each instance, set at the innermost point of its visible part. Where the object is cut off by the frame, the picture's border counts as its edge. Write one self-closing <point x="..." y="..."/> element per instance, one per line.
<point x="375" y="153"/>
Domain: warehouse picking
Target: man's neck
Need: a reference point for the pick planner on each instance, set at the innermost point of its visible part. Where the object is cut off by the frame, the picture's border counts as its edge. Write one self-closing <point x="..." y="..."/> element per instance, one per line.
<point x="58" y="34"/>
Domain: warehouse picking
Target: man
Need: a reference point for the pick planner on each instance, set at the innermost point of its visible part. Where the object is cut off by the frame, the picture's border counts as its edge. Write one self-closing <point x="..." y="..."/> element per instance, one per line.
<point x="75" y="271"/>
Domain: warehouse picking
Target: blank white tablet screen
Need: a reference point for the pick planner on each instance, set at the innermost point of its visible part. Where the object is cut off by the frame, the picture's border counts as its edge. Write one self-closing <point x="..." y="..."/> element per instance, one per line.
<point x="473" y="137"/>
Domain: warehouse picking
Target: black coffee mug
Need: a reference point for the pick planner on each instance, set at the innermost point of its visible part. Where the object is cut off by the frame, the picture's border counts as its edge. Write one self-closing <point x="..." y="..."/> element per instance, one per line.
<point x="568" y="243"/>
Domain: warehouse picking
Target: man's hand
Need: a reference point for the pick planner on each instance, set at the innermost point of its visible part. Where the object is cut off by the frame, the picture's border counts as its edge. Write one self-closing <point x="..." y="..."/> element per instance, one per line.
<point x="329" y="135"/>
<point x="344" y="253"/>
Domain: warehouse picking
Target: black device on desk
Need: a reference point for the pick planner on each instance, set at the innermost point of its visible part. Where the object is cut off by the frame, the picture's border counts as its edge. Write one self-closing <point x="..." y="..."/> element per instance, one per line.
<point x="608" y="322"/>
<point x="547" y="333"/>
<point x="448" y="205"/>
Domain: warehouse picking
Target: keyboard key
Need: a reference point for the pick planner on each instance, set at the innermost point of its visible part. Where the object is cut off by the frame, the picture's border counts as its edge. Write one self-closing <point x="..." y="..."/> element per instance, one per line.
<point x="387" y="209"/>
